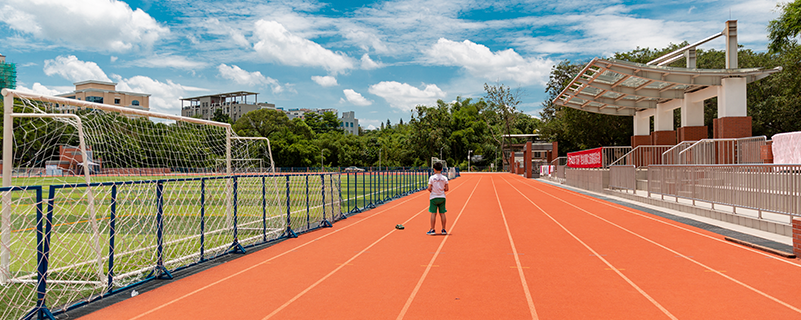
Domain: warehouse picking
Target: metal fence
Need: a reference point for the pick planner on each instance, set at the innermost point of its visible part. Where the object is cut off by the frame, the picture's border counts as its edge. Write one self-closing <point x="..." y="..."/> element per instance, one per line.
<point x="641" y="156"/>
<point x="56" y="258"/>
<point x="612" y="154"/>
<point x="595" y="179"/>
<point x="623" y="177"/>
<point x="761" y="187"/>
<point x="673" y="155"/>
<point x="720" y="151"/>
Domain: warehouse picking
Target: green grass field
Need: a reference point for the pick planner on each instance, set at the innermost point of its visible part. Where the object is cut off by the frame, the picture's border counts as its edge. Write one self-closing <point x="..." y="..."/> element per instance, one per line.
<point x="74" y="257"/>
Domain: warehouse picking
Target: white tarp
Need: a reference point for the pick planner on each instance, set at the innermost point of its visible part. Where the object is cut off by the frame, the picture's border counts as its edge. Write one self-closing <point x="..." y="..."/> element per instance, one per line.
<point x="787" y="148"/>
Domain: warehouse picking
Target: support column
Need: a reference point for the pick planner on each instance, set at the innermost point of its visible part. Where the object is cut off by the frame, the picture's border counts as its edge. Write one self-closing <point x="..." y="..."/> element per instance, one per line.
<point x="732" y="121"/>
<point x="663" y="125"/>
<point x="692" y="120"/>
<point x="527" y="160"/>
<point x="642" y="128"/>
<point x="512" y="163"/>
<point x="730" y="32"/>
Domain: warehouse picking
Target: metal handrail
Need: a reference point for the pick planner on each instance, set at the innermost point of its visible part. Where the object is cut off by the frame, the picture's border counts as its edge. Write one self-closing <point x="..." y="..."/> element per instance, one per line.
<point x="681" y="145"/>
<point x="634" y="152"/>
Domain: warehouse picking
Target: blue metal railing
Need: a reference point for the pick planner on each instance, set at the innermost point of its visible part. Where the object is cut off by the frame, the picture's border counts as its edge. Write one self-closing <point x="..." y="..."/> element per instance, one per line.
<point x="362" y="190"/>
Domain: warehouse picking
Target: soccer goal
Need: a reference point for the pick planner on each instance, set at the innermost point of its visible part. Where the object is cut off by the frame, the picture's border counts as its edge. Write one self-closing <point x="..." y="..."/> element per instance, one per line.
<point x="89" y="189"/>
<point x="444" y="163"/>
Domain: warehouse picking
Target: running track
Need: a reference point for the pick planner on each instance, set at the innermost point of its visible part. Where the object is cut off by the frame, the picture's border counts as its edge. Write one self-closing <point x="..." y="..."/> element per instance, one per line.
<point x="518" y="249"/>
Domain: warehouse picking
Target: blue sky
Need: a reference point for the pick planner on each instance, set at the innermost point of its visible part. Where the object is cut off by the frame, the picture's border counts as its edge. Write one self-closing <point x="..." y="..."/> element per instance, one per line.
<point x="379" y="59"/>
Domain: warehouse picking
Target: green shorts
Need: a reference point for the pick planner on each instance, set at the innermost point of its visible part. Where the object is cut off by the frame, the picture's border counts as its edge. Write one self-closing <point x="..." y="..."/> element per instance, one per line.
<point x="435" y="203"/>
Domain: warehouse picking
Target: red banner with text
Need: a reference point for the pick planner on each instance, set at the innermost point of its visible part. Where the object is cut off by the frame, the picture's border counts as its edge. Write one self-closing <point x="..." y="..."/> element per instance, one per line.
<point x="585" y="159"/>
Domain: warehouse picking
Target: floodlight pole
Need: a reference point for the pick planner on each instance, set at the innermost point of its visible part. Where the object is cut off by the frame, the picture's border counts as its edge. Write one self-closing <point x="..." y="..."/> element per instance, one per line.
<point x="468" y="160"/>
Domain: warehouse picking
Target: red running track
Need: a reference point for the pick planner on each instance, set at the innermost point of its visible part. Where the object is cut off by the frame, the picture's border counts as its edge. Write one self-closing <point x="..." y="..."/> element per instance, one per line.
<point x="517" y="249"/>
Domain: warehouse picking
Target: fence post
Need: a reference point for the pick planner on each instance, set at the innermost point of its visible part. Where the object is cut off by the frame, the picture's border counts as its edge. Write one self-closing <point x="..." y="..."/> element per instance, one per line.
<point x="331" y="185"/>
<point x="236" y="247"/>
<point x="112" y="229"/>
<point x="202" y="219"/>
<point x="308" y="206"/>
<point x="263" y="209"/>
<point x="43" y="227"/>
<point x="160" y="271"/>
<point x="339" y="183"/>
<point x="325" y="223"/>
<point x="289" y="233"/>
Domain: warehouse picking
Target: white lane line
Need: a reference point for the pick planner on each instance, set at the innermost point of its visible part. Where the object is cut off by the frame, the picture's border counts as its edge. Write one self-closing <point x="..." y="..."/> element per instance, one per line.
<point x="670" y="223"/>
<point x="791" y="307"/>
<point x="526" y="290"/>
<point x="434" y="258"/>
<point x="599" y="256"/>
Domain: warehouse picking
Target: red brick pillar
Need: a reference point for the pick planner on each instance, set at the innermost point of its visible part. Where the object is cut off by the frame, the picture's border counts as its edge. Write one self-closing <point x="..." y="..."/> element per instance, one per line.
<point x="640" y="140"/>
<point x="512" y="163"/>
<point x="555" y="152"/>
<point x="731" y="127"/>
<point x="692" y="133"/>
<point x="527" y="160"/>
<point x="797" y="236"/>
<point x="663" y="138"/>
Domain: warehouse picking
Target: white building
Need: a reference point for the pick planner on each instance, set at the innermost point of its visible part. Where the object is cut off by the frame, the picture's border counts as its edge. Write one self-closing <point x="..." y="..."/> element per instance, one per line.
<point x="349" y="123"/>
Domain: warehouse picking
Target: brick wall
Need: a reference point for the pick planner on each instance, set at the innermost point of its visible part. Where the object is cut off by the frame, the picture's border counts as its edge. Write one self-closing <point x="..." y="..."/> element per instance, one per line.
<point x="732" y="127"/>
<point x="797" y="236"/>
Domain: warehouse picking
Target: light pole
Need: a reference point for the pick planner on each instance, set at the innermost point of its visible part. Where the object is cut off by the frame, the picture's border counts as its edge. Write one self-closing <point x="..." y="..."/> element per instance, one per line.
<point x="322" y="160"/>
<point x="468" y="160"/>
<point x="379" y="159"/>
<point x="440" y="153"/>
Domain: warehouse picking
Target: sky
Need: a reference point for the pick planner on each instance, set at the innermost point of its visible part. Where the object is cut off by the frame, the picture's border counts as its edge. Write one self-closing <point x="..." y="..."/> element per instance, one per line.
<point x="379" y="59"/>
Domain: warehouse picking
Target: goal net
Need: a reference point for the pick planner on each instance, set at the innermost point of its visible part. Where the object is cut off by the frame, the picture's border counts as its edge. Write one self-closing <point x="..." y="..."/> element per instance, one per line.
<point x="127" y="194"/>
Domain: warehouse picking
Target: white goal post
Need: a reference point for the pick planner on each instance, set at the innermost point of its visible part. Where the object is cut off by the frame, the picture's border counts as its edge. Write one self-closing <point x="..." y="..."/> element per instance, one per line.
<point x="8" y="159"/>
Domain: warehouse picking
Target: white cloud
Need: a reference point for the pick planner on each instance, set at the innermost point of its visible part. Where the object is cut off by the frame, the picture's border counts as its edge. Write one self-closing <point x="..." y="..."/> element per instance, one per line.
<point x="70" y="68"/>
<point x="38" y="88"/>
<point x="164" y="96"/>
<point x="404" y="96"/>
<point x="277" y="44"/>
<point x="356" y="98"/>
<point x="481" y="62"/>
<point x="170" y="61"/>
<point x="365" y="40"/>
<point x="369" y="64"/>
<point x="244" y="77"/>
<point x="113" y="59"/>
<point x="231" y="34"/>
<point x="105" y="25"/>
<point x="326" y="81"/>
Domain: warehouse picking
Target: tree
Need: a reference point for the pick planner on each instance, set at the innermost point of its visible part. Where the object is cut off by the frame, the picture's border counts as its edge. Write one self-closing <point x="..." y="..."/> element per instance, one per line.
<point x="219" y="116"/>
<point x="502" y="103"/>
<point x="783" y="30"/>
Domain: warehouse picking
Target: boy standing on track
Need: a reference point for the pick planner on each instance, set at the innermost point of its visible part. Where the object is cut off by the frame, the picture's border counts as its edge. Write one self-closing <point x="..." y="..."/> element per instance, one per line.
<point x="437" y="185"/>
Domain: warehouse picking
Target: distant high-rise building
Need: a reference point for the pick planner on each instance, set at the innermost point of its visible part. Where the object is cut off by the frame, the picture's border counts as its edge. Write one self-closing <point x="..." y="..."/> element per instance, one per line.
<point x="8" y="74"/>
<point x="349" y="123"/>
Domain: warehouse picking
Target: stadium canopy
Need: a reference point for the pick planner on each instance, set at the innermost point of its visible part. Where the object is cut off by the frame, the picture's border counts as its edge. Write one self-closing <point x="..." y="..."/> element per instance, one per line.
<point x="622" y="88"/>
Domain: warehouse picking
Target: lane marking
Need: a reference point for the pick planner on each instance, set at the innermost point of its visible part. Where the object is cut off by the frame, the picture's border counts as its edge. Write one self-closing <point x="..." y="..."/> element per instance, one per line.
<point x="299" y="295"/>
<point x="669" y="223"/>
<point x="434" y="257"/>
<point x="267" y="261"/>
<point x="347" y="263"/>
<point x="631" y="283"/>
<point x="709" y="269"/>
<point x="519" y="266"/>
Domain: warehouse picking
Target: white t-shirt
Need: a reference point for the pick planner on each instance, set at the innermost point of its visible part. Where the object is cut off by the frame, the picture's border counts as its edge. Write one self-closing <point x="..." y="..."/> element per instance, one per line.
<point x="437" y="183"/>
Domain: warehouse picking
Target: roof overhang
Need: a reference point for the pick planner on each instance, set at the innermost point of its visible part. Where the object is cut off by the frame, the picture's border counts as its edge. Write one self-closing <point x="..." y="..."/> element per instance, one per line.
<point x="622" y="88"/>
<point x="222" y="95"/>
